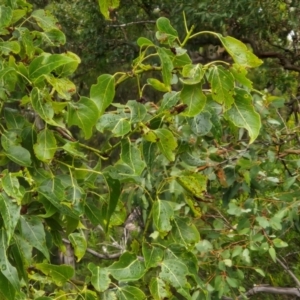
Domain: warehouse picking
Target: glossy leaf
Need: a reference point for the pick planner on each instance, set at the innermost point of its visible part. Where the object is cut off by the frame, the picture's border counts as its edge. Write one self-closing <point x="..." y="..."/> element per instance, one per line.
<point x="84" y="114"/>
<point x="164" y="26"/>
<point x="7" y="47"/>
<point x="130" y="293"/>
<point x="79" y="244"/>
<point x="59" y="274"/>
<point x="193" y="97"/>
<point x="6" y="14"/>
<point x="201" y="124"/>
<point x="166" y="143"/>
<point x="239" y="52"/>
<point x="45" y="64"/>
<point x="169" y="100"/>
<point x="174" y="272"/>
<point x="163" y="213"/>
<point x="158" y="289"/>
<point x="41" y="105"/>
<point x="192" y="74"/>
<point x="12" y="187"/>
<point x="63" y="86"/>
<point x="137" y="111"/>
<point x="45" y="147"/>
<point x="103" y="92"/>
<point x="128" y="268"/>
<point x="166" y="65"/>
<point x="114" y="195"/>
<point x="107" y="6"/>
<point x="44" y="19"/>
<point x="100" y="277"/>
<point x="33" y="231"/>
<point x="222" y="85"/>
<point x="10" y="213"/>
<point x="153" y="255"/>
<point x="185" y="233"/>
<point x="7" y="269"/>
<point x="242" y="114"/>
<point x="131" y="156"/>
<point x="144" y="42"/>
<point x="19" y="155"/>
<point x="158" y="85"/>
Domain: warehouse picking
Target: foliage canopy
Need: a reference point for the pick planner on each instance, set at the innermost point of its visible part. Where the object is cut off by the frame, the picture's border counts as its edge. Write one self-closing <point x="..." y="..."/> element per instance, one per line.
<point x="185" y="198"/>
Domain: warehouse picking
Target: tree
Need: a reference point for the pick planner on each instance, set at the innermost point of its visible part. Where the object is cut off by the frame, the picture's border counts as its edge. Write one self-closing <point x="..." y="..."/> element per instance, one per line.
<point x="184" y="198"/>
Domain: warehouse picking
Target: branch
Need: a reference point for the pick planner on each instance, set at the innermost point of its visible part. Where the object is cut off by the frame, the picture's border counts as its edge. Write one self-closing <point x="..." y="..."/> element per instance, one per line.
<point x="266" y="289"/>
<point x="99" y="255"/>
<point x="286" y="268"/>
<point x="131" y="23"/>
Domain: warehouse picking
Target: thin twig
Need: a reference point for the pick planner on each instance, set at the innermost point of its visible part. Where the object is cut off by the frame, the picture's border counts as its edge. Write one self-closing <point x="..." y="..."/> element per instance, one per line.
<point x="131" y="23"/>
<point x="287" y="269"/>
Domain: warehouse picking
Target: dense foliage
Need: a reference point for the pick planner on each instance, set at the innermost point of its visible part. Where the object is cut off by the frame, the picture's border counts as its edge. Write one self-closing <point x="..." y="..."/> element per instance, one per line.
<point x="191" y="192"/>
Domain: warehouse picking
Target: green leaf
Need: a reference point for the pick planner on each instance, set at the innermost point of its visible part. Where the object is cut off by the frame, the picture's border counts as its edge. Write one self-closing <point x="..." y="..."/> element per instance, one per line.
<point x="63" y="86"/>
<point x="260" y="271"/>
<point x="59" y="274"/>
<point x="144" y="42"/>
<point x="70" y="67"/>
<point x="41" y="106"/>
<point x="10" y="46"/>
<point x="84" y="114"/>
<point x="114" y="188"/>
<point x="193" y="97"/>
<point x="131" y="156"/>
<point x="10" y="213"/>
<point x="106" y="6"/>
<point x="19" y="155"/>
<point x="195" y="183"/>
<point x="192" y="74"/>
<point x="46" y="63"/>
<point x="158" y="289"/>
<point x="53" y="37"/>
<point x="45" y="147"/>
<point x="174" y="272"/>
<point x="278" y="243"/>
<point x="272" y="253"/>
<point x="53" y="191"/>
<point x="169" y="100"/>
<point x="79" y="244"/>
<point x="6" y="14"/>
<point x="33" y="231"/>
<point x="103" y="92"/>
<point x="45" y="19"/>
<point x="201" y="124"/>
<point x="222" y="85"/>
<point x="100" y="277"/>
<point x="7" y="269"/>
<point x="163" y="25"/>
<point x="130" y="293"/>
<point x="240" y="75"/>
<point x="163" y="213"/>
<point x="184" y="233"/>
<point x="128" y="268"/>
<point x="158" y="85"/>
<point x="138" y="111"/>
<point x="242" y="114"/>
<point x="152" y="255"/>
<point x="121" y="128"/>
<point x="7" y="291"/>
<point x="167" y="67"/>
<point x="13" y="119"/>
<point x="239" y="52"/>
<point x="11" y="185"/>
<point x="166" y="143"/>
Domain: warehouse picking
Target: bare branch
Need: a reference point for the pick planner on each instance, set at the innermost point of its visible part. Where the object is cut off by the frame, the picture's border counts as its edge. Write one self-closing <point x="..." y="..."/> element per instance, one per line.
<point x="131" y="23"/>
<point x="286" y="268"/>
<point x="97" y="254"/>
